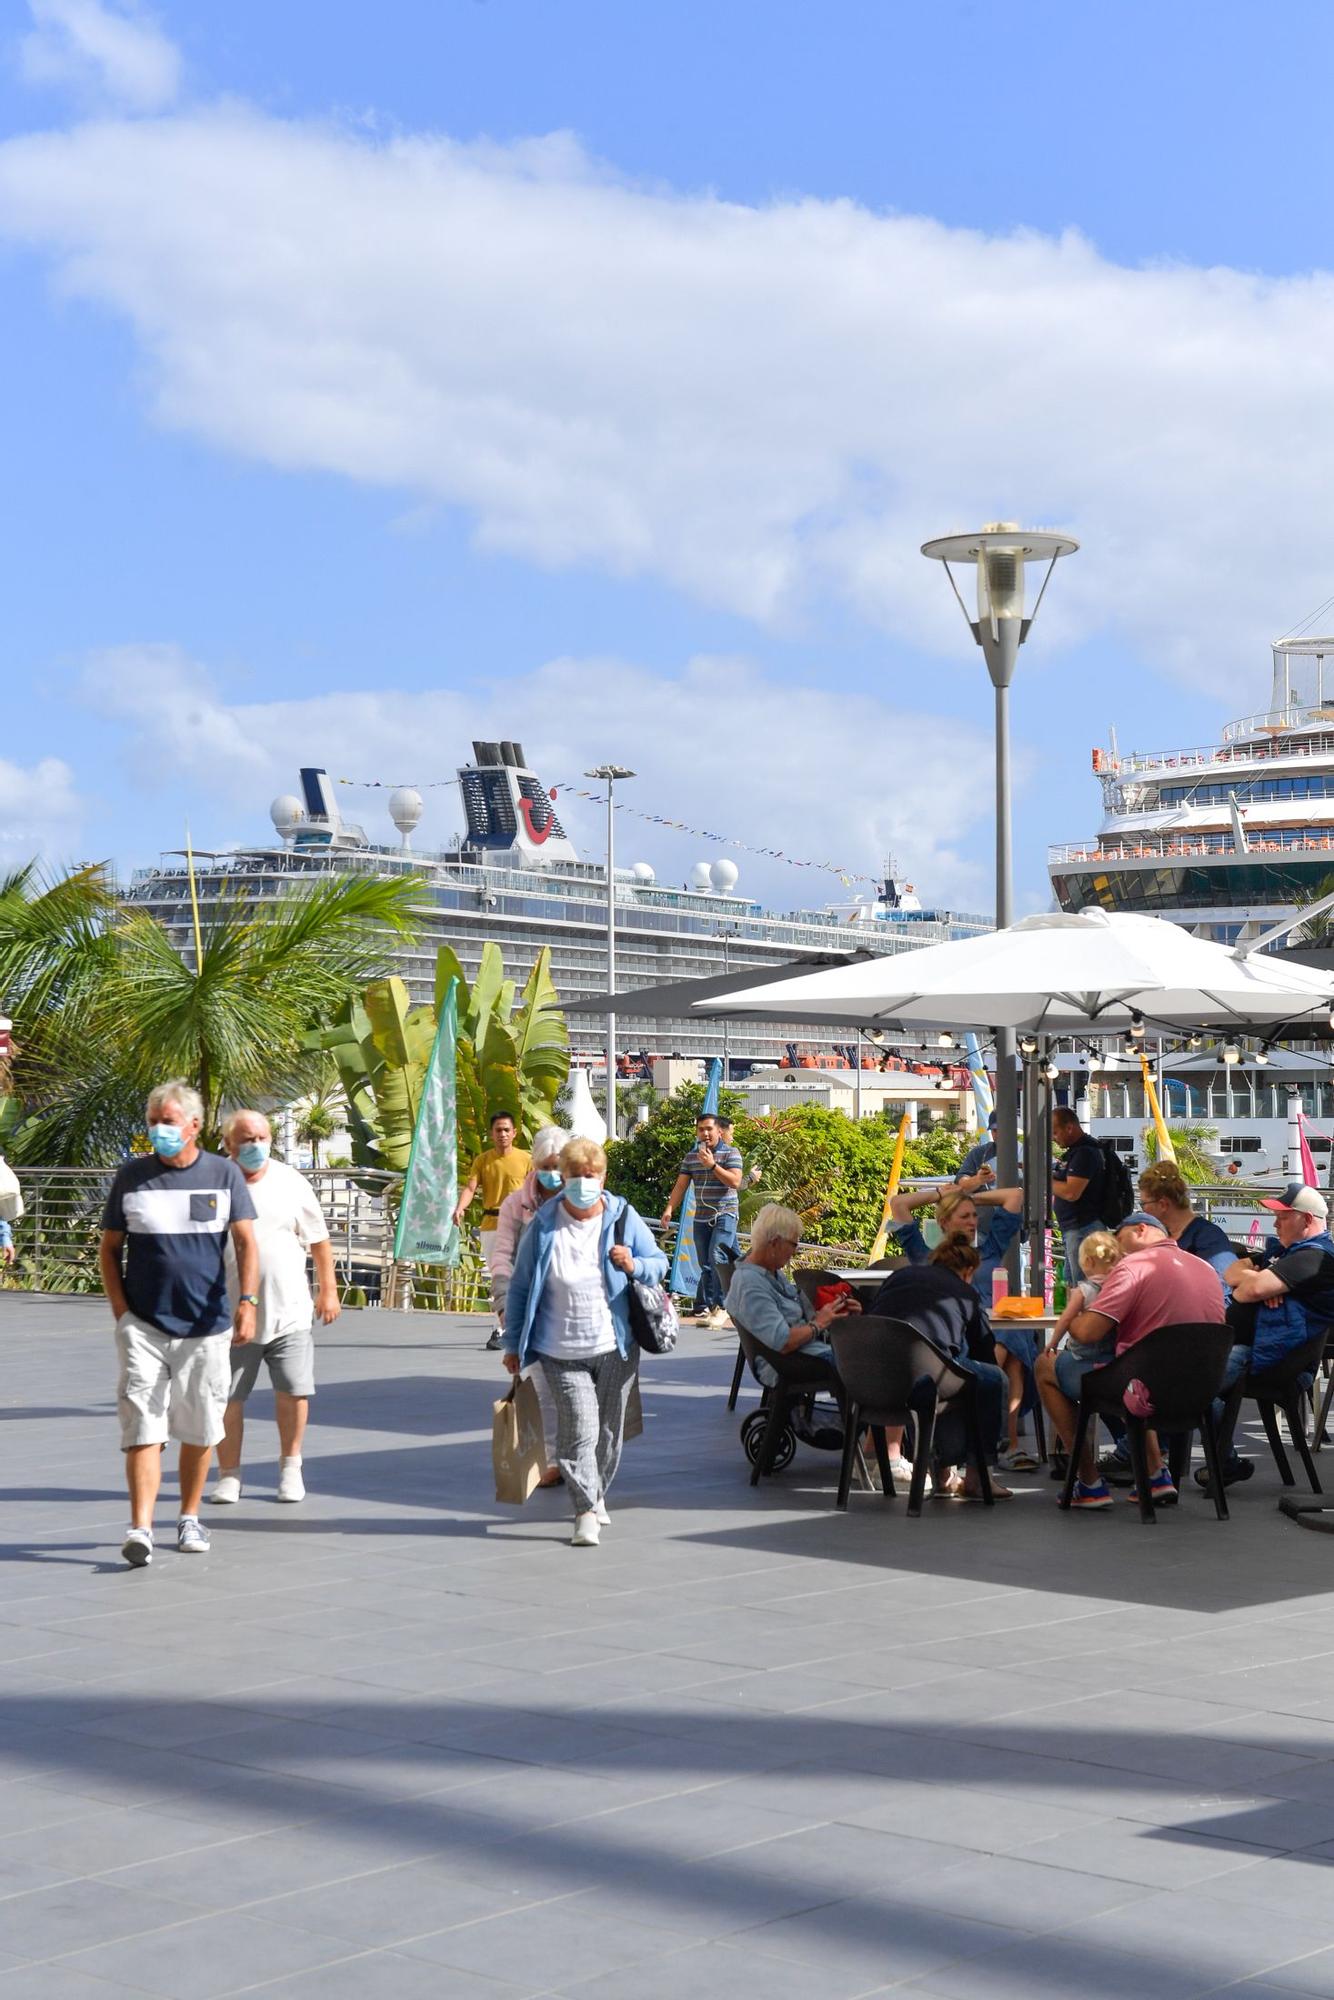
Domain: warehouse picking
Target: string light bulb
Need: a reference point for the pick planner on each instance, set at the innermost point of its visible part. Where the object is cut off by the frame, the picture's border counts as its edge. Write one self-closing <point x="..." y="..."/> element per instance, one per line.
<point x="1262" y="1054"/>
<point x="1231" y="1053"/>
<point x="1136" y="1025"/>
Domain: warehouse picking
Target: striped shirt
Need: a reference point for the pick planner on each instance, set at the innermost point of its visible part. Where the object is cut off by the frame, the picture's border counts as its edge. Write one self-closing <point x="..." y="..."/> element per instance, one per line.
<point x="712" y="1196"/>
<point x="175" y="1221"/>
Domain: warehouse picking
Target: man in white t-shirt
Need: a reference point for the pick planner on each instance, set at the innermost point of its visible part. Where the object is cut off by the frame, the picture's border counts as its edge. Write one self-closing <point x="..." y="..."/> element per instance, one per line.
<point x="288" y="1227"/>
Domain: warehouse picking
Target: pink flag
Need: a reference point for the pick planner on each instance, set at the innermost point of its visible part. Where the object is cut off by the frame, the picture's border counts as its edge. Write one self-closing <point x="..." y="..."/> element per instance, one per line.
<point x="1308" y="1164"/>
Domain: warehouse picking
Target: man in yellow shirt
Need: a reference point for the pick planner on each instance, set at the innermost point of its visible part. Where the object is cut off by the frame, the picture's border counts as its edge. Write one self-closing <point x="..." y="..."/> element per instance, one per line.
<point x="498" y="1171"/>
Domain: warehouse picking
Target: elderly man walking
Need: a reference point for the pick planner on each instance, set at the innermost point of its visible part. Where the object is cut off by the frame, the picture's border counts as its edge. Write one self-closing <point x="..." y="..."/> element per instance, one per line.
<point x="289" y="1226"/>
<point x="165" y="1231"/>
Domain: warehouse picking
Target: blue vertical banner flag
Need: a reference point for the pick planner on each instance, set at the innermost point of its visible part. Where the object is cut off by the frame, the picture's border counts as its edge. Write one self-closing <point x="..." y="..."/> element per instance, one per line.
<point x="977" y="1072"/>
<point x="684" y="1279"/>
<point x="426" y="1232"/>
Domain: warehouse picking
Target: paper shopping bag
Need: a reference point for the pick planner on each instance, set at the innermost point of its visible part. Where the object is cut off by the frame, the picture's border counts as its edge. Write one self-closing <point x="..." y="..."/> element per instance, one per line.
<point x="634" y="1413"/>
<point x="518" y="1451"/>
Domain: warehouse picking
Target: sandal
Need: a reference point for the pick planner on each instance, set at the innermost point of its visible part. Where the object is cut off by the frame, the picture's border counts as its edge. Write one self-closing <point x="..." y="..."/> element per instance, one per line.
<point x="1017" y="1460"/>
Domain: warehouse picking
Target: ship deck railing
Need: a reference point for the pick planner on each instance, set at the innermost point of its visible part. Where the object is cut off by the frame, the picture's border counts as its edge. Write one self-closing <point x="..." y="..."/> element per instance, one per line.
<point x="1234" y="749"/>
<point x="1172" y="846"/>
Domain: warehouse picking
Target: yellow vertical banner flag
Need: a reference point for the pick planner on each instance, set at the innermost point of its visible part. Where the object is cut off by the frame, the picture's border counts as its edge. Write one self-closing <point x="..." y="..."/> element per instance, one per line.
<point x="1166" y="1150"/>
<point x="895" y="1176"/>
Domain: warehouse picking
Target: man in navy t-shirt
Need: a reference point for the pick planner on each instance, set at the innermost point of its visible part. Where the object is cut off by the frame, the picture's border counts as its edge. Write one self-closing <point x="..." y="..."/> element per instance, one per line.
<point x="162" y="1256"/>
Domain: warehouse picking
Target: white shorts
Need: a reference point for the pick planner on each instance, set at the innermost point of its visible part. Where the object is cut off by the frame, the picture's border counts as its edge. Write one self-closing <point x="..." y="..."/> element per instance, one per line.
<point x="169" y="1387"/>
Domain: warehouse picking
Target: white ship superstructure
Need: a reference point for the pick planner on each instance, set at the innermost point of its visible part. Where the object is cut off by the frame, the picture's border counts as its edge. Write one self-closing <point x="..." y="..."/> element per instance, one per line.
<point x="1225" y="839"/>
<point x="515" y="878"/>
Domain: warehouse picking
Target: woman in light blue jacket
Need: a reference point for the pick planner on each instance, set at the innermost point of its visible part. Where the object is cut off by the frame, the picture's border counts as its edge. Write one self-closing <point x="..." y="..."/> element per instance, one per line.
<point x="568" y="1308"/>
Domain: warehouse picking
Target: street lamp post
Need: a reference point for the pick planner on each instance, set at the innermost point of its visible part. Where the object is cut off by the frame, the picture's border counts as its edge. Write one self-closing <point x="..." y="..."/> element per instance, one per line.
<point x="1001" y="552"/>
<point x="609" y="773"/>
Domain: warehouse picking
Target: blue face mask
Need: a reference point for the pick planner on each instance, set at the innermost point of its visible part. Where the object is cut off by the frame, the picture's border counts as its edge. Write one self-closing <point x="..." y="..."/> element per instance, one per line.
<point x="549" y="1177"/>
<point x="252" y="1154"/>
<point x="583" y="1191"/>
<point x="166" y="1140"/>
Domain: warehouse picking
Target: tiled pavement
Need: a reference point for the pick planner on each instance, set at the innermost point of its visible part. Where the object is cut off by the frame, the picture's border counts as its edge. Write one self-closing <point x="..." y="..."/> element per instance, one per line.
<point x="401" y="1741"/>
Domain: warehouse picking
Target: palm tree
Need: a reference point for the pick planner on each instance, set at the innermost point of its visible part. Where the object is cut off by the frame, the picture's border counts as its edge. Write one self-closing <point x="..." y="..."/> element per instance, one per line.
<point x="1194" y="1148"/>
<point x="233" y="1026"/>
<point x="317" y="1120"/>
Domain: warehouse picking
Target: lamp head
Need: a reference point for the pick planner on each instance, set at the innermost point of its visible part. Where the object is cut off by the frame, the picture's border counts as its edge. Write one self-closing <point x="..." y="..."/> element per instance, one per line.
<point x="1000" y="551"/>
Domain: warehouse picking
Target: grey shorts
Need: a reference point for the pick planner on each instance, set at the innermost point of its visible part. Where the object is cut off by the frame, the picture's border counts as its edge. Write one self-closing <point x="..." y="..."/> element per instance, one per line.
<point x="170" y="1387"/>
<point x="290" y="1360"/>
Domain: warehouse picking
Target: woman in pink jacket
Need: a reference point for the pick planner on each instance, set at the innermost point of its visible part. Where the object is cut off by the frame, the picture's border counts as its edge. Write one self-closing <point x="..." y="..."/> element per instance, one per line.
<point x="543" y="1183"/>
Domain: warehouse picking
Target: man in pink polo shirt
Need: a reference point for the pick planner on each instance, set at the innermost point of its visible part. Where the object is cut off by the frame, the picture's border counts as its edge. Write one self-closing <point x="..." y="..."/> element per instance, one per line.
<point x="1155" y="1284"/>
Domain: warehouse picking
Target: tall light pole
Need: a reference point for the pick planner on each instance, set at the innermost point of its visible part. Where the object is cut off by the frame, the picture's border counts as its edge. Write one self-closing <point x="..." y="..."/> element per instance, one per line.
<point x="1000" y="552"/>
<point x="609" y="773"/>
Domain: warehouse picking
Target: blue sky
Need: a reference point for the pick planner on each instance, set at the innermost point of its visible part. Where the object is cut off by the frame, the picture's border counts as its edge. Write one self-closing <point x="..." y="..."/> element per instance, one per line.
<point x="341" y="420"/>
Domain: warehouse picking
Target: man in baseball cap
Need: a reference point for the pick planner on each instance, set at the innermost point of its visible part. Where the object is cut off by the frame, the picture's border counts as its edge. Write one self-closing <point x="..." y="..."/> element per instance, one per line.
<point x="1281" y="1306"/>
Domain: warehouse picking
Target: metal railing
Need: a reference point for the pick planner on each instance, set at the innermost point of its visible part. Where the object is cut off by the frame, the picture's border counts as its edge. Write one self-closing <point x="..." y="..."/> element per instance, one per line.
<point x="1181" y="846"/>
<point x="55" y="1243"/>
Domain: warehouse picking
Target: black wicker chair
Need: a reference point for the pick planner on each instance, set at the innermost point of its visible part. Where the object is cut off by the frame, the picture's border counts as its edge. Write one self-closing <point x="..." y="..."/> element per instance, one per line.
<point x="1182" y="1368"/>
<point x="892" y="1374"/>
<point x="1274" y="1389"/>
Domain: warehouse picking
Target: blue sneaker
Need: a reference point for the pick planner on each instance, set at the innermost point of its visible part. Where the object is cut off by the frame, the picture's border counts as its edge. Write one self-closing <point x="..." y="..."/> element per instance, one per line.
<point x="1097" y="1495"/>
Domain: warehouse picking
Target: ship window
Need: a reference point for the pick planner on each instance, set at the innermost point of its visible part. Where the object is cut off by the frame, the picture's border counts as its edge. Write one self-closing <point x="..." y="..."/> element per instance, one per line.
<point x="1238" y="1143"/>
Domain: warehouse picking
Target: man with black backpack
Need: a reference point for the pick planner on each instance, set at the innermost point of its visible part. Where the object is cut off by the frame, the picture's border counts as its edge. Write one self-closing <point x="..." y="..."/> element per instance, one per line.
<point x="1084" y="1186"/>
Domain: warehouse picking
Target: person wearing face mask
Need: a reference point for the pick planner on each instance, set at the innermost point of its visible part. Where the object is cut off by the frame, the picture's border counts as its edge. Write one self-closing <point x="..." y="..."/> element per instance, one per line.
<point x="568" y="1309"/>
<point x="289" y="1226"/>
<point x="542" y="1185"/>
<point x="165" y="1231"/>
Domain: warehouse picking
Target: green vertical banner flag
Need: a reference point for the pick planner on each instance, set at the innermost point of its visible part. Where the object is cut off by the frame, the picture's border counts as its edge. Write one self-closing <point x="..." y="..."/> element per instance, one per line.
<point x="427" y="1233"/>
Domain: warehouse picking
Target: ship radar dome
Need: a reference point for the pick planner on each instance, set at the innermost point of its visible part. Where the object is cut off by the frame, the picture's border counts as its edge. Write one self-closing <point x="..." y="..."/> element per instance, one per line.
<point x="287" y="814"/>
<point x="405" y="810"/>
<point x="643" y="872"/>
<point x="701" y="876"/>
<point x="724" y="876"/>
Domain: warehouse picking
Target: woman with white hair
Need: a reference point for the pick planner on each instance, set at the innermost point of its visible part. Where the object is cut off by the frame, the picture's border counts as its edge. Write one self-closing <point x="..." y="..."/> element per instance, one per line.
<point x="544" y="1181"/>
<point x="569" y="1310"/>
<point x="765" y="1300"/>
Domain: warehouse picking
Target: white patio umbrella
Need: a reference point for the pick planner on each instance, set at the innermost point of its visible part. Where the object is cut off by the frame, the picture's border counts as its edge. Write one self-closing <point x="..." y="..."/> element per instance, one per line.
<point x="1055" y="974"/>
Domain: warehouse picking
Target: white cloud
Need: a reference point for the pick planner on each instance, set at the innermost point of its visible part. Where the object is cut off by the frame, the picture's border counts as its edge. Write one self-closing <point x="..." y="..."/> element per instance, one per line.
<point x="718" y="746"/>
<point x="112" y="54"/>
<point x="764" y="406"/>
<point x="39" y="809"/>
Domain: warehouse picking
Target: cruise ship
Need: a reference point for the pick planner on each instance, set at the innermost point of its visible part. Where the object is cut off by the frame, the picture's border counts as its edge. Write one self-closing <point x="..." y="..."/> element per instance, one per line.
<point x="514" y="877"/>
<point x="1227" y="840"/>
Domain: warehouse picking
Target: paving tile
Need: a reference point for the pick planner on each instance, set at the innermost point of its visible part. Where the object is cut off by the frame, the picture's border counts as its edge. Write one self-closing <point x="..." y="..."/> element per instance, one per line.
<point x="386" y="1975"/>
<point x="1199" y="1929"/>
<point x="877" y="1940"/>
<point x="46" y="1923"/>
<point x="1050" y="1968"/>
<point x="716" y="1972"/>
<point x="207" y="1957"/>
<point x="391" y="1904"/>
<point x="544" y="1941"/>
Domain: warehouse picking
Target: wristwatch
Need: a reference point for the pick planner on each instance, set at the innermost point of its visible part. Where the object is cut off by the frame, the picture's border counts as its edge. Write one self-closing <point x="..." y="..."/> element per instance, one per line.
<point x="248" y="1299"/>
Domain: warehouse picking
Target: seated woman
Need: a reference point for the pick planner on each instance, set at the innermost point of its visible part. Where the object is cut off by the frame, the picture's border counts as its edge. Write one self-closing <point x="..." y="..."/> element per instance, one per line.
<point x="941" y="1301"/>
<point x="959" y="1212"/>
<point x="763" y="1299"/>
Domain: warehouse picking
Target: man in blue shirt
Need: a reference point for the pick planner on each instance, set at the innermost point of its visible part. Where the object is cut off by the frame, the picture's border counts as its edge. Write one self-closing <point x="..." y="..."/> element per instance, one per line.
<point x="163" y="1262"/>
<point x="714" y="1170"/>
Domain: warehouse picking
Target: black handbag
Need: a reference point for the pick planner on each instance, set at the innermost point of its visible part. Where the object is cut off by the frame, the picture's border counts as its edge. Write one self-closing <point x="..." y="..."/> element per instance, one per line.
<point x="653" y="1320"/>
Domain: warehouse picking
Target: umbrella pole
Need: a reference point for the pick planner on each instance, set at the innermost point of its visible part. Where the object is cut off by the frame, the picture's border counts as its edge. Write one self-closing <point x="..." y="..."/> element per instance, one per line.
<point x="1033" y="1232"/>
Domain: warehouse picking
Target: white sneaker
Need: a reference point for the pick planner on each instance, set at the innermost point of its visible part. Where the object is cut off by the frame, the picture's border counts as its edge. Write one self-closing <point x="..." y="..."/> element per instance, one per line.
<point x="137" y="1548"/>
<point x="191" y="1539"/>
<point x="718" y="1320"/>
<point x="603" y="1517"/>
<point x="227" y="1491"/>
<point x="587" y="1532"/>
<point x="291" y="1486"/>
